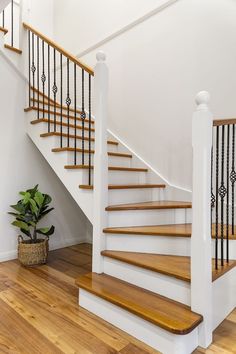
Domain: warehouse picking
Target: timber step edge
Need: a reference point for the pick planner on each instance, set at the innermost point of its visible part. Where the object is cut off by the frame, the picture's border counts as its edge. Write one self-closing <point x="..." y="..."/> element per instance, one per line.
<point x="167" y="314"/>
<point x="52" y="104"/>
<point x="73" y="126"/>
<point x="177" y="267"/>
<point x="64" y="115"/>
<point x="172" y="230"/>
<point x="13" y="49"/>
<point x="64" y="135"/>
<point x="4" y="30"/>
<point x="86" y="151"/>
<point x="110" y="168"/>
<point x="153" y="205"/>
<point x="126" y="186"/>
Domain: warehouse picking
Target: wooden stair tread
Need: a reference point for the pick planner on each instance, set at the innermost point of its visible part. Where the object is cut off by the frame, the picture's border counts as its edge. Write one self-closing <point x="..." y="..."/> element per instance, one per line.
<point x="64" y="115"/>
<point x="174" y="230"/>
<point x="70" y="149"/>
<point x="126" y="186"/>
<point x="13" y="49"/>
<point x="177" y="230"/>
<point x="45" y="135"/>
<point x="151" y="205"/>
<point x="161" y="311"/>
<point x="110" y="168"/>
<point x="4" y="30"/>
<point x="44" y="120"/>
<point x="174" y="266"/>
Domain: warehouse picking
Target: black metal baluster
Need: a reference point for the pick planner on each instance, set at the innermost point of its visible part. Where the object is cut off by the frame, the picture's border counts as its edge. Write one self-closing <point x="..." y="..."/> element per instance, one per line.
<point x="222" y="191"/>
<point x="3" y="19"/>
<point x="217" y="198"/>
<point x="49" y="88"/>
<point x="38" y="73"/>
<point x="90" y="116"/>
<point x="75" y="107"/>
<point x="12" y="23"/>
<point x="54" y="88"/>
<point x="61" y="100"/>
<point x="68" y="102"/>
<point x="213" y="200"/>
<point x="227" y="201"/>
<point x="233" y="177"/>
<point x="83" y="116"/>
<point x="33" y="68"/>
<point x="29" y="44"/>
<point x="43" y="78"/>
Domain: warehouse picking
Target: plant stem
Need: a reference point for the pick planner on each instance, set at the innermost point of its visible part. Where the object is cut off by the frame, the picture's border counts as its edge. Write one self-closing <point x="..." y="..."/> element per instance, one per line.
<point x="35" y="235"/>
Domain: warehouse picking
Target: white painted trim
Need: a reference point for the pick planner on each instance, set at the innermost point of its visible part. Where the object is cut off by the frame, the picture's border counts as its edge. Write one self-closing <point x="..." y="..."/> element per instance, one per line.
<point x="159" y="8"/>
<point x="128" y="27"/>
<point x="11" y="255"/>
<point x="147" y="164"/>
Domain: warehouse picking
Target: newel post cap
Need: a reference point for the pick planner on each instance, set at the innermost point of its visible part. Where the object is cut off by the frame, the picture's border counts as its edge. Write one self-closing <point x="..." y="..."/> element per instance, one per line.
<point x="202" y="100"/>
<point x="101" y="56"/>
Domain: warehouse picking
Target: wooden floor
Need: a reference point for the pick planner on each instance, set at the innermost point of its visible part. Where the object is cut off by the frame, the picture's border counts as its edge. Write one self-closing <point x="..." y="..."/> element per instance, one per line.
<point x="39" y="312"/>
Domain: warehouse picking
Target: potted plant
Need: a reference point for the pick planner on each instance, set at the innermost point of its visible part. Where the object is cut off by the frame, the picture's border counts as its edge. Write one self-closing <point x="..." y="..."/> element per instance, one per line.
<point x="28" y="212"/>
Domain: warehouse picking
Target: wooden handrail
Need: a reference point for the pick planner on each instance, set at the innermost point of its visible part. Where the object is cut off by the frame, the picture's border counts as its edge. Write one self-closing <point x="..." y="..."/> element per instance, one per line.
<point x="219" y="122"/>
<point x="60" y="49"/>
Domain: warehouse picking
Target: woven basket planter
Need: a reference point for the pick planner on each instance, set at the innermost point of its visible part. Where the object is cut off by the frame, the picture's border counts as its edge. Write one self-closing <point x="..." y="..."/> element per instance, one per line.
<point x="31" y="254"/>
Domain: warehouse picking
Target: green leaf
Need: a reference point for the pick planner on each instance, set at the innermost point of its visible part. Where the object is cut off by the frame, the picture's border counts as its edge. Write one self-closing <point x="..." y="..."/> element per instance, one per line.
<point x="33" y="205"/>
<point x="46" y="231"/>
<point x="39" y="198"/>
<point x="33" y="190"/>
<point x="26" y="197"/>
<point x="27" y="233"/>
<point x="47" y="199"/>
<point x="42" y="214"/>
<point x="21" y="225"/>
<point x="19" y="207"/>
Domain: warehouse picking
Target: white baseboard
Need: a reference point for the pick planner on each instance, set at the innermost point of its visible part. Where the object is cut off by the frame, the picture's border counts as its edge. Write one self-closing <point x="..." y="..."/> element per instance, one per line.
<point x="11" y="255"/>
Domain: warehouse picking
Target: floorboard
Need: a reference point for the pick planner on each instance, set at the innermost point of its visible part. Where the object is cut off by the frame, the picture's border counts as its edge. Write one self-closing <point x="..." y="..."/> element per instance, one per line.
<point x="39" y="312"/>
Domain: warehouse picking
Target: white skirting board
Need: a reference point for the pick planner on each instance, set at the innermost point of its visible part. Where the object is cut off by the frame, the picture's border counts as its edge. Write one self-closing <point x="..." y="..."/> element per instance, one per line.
<point x="146" y="332"/>
<point x="8" y="256"/>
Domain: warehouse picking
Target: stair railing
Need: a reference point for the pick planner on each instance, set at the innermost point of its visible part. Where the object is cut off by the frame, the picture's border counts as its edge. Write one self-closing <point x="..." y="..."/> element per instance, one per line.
<point x="8" y="22"/>
<point x="213" y="223"/>
<point x="60" y="86"/>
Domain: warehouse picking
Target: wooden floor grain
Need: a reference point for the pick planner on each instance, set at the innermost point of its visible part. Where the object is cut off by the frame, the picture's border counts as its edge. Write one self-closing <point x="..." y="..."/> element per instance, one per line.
<point x="39" y="312"/>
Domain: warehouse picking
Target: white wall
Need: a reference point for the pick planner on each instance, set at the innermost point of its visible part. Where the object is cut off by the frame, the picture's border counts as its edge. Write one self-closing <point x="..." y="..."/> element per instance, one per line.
<point x="82" y="23"/>
<point x="39" y="14"/>
<point x="22" y="166"/>
<point x="155" y="71"/>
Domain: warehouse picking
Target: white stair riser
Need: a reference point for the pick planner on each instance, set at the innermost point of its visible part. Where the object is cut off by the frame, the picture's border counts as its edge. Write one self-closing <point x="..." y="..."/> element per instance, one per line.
<point x="147" y="217"/>
<point x="177" y="246"/>
<point x="158" y="283"/>
<point x="112" y="160"/>
<point x="119" y="196"/>
<point x="79" y="131"/>
<point x="147" y="332"/>
<point x="126" y="177"/>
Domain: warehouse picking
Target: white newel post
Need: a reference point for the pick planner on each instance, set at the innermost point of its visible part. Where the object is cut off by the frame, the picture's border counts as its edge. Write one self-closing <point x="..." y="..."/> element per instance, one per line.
<point x="100" y="160"/>
<point x="201" y="256"/>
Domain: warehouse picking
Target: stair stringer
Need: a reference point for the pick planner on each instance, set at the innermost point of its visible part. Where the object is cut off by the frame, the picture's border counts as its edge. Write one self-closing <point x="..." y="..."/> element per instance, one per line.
<point x="70" y="179"/>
